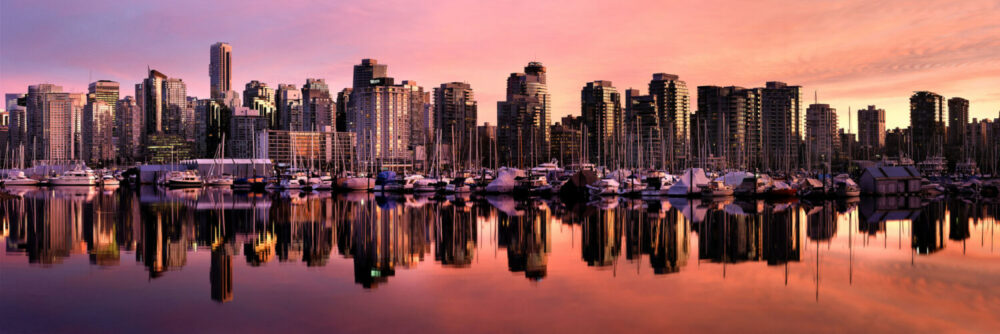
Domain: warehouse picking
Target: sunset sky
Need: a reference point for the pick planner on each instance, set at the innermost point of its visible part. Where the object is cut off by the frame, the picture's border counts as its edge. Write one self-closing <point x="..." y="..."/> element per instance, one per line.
<point x="854" y="52"/>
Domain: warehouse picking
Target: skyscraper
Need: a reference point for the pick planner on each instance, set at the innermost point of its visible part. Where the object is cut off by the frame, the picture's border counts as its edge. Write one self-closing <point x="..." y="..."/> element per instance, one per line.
<point x="523" y="120"/>
<point x="343" y="110"/>
<point x="219" y="69"/>
<point x="58" y="113"/>
<point x="289" y="106"/>
<point x="382" y="121"/>
<point x="420" y="104"/>
<point x="871" y="132"/>
<point x="152" y="102"/>
<point x="35" y="122"/>
<point x="129" y="125"/>
<point x="366" y="71"/>
<point x="175" y="106"/>
<point x="601" y="109"/>
<point x="821" y="134"/>
<point x="670" y="96"/>
<point x="17" y="121"/>
<point x="98" y="126"/>
<point x="245" y="124"/>
<point x="455" y="114"/>
<point x="781" y="125"/>
<point x="318" y="108"/>
<point x="104" y="90"/>
<point x="215" y="119"/>
<point x="927" y="123"/>
<point x="644" y="145"/>
<point x="721" y="125"/>
<point x="958" y="118"/>
<point x="258" y="96"/>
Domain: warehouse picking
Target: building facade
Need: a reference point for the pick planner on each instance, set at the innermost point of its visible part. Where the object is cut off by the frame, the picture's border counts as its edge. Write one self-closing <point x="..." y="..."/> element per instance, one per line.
<point x="245" y="124"/>
<point x="318" y="108"/>
<point x="455" y="116"/>
<point x="323" y="149"/>
<point x="871" y="132"/>
<point x="382" y="121"/>
<point x="670" y="96"/>
<point x="822" y="138"/>
<point x="781" y="126"/>
<point x="601" y="109"/>
<point x="927" y="125"/>
<point x="289" y="105"/>
<point x="524" y="118"/>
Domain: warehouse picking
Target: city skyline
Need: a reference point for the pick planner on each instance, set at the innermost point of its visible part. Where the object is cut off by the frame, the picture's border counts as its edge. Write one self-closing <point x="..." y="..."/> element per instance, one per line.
<point x="951" y="57"/>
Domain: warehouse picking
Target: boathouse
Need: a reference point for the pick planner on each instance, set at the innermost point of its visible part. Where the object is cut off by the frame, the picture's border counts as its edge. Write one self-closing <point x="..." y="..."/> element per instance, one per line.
<point x="896" y="180"/>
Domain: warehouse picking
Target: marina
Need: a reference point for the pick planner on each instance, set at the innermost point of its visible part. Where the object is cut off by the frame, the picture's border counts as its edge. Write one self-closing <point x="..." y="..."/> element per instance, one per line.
<point x="211" y="254"/>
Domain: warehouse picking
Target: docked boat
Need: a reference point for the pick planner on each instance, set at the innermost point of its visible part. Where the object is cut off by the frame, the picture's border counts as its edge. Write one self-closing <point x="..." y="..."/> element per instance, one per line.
<point x="780" y="189"/>
<point x="385" y="181"/>
<point x="603" y="187"/>
<point x="717" y="189"/>
<point x="109" y="180"/>
<point x="224" y="180"/>
<point x="359" y="183"/>
<point x="76" y="177"/>
<point x="845" y="187"/>
<point x="631" y="186"/>
<point x="505" y="182"/>
<point x="533" y="185"/>
<point x="18" y="179"/>
<point x="460" y="185"/>
<point x="410" y="181"/>
<point x="657" y="184"/>
<point x="812" y="188"/>
<point x="753" y="186"/>
<point x="322" y="182"/>
<point x="184" y="179"/>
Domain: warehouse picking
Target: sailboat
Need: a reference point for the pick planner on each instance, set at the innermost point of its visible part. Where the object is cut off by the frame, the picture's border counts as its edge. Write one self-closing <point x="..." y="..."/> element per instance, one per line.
<point x="222" y="179"/>
<point x="17" y="177"/>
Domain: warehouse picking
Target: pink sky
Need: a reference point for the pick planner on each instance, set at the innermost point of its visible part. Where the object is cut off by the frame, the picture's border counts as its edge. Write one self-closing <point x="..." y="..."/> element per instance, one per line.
<point x="854" y="52"/>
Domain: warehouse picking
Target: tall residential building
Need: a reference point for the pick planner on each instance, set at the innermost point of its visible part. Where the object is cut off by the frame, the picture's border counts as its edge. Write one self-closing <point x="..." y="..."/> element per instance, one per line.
<point x="670" y="96"/>
<point x="487" y="145"/>
<point x="420" y="104"/>
<point x="59" y="114"/>
<point x="601" y="110"/>
<point x="871" y="132"/>
<point x="152" y="102"/>
<point x="17" y="125"/>
<point x="524" y="118"/>
<point x="366" y="71"/>
<point x="566" y="141"/>
<point x="258" y="96"/>
<point x="220" y="69"/>
<point x="318" y="108"/>
<point x="724" y="125"/>
<point x="175" y="106"/>
<point x="927" y="125"/>
<point x="245" y="124"/>
<point x="644" y="146"/>
<point x="821" y="135"/>
<point x="215" y="119"/>
<point x="289" y="105"/>
<point x="781" y="125"/>
<point x="104" y="90"/>
<point x="455" y="116"/>
<point x="382" y="121"/>
<point x="35" y="122"/>
<point x="958" y="119"/>
<point x="98" y="125"/>
<point x="129" y="125"/>
<point x="343" y="105"/>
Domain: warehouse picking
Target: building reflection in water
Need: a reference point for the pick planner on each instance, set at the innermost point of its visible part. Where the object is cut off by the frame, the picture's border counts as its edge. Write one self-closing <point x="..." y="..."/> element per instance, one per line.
<point x="383" y="234"/>
<point x="524" y="233"/>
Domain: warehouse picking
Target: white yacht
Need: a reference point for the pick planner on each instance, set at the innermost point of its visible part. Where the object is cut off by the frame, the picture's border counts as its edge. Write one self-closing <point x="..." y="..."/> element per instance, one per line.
<point x="182" y="179"/>
<point x="18" y="179"/>
<point x="109" y="180"/>
<point x="604" y="187"/>
<point x="76" y="177"/>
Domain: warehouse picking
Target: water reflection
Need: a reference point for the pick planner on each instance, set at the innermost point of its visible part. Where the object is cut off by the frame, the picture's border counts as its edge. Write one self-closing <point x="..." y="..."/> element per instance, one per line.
<point x="383" y="236"/>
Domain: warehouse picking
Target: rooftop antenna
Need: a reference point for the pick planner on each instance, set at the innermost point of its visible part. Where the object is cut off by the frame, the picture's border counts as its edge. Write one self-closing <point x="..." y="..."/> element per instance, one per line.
<point x="815" y="97"/>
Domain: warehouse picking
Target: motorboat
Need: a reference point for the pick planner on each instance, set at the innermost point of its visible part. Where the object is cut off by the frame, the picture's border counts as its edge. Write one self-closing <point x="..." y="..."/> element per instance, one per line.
<point x="426" y="185"/>
<point x="184" y="179"/>
<point x="657" y="184"/>
<point x="846" y="187"/>
<point x="533" y="185"/>
<point x="322" y="182"/>
<point x="410" y="181"/>
<point x="18" y="179"/>
<point x="109" y="180"/>
<point x="75" y="177"/>
<point x="780" y="189"/>
<point x="812" y="188"/>
<point x="717" y="189"/>
<point x="753" y="186"/>
<point x="385" y="180"/>
<point x="359" y="183"/>
<point x="603" y="187"/>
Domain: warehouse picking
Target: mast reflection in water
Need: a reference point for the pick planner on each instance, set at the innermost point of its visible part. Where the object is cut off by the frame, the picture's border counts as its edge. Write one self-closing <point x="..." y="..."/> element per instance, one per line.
<point x="308" y="241"/>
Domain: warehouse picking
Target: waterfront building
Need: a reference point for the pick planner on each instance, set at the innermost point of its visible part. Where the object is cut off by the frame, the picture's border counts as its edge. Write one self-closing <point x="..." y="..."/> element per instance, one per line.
<point x="366" y="71"/>
<point x="382" y="121"/>
<point x="61" y="113"/>
<point x="871" y="132"/>
<point x="104" y="90"/>
<point x="213" y="125"/>
<point x="245" y="124"/>
<point x="455" y="116"/>
<point x="670" y="97"/>
<point x="487" y="145"/>
<point x="17" y="126"/>
<point x="220" y="69"/>
<point x="821" y="135"/>
<point x="781" y="125"/>
<point x="927" y="125"/>
<point x="523" y="119"/>
<point x="35" y="119"/>
<point x="601" y="110"/>
<point x="175" y="106"/>
<point x="420" y="106"/>
<point x="323" y="149"/>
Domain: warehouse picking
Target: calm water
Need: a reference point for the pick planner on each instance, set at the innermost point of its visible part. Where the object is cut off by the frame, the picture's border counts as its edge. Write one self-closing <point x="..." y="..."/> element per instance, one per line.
<point x="87" y="260"/>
